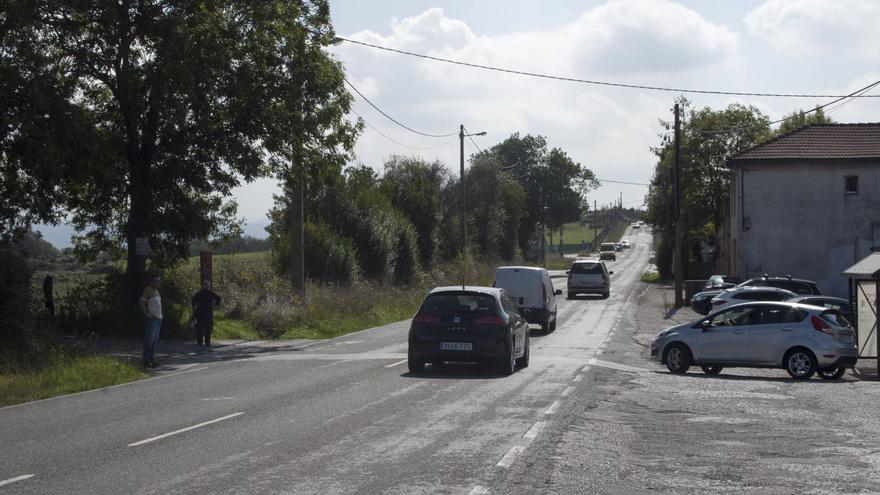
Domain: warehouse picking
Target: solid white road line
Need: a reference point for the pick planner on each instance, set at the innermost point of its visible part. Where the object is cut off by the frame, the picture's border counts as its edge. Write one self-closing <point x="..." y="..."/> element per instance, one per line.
<point x="17" y="478"/>
<point x="479" y="490"/>
<point x="585" y="368"/>
<point x="395" y="364"/>
<point x="578" y="378"/>
<point x="567" y="391"/>
<point x="534" y="430"/>
<point x="510" y="456"/>
<point x="182" y="430"/>
<point x="618" y="366"/>
<point x="553" y="407"/>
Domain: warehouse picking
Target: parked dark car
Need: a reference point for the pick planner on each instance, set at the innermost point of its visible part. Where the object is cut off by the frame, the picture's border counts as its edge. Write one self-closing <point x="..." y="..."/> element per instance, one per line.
<point x="829" y="302"/>
<point x="469" y="324"/>
<point x="701" y="302"/>
<point x="797" y="285"/>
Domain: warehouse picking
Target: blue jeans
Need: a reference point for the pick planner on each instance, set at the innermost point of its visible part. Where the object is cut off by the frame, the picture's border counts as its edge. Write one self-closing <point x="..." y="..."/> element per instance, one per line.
<point x="151" y="336"/>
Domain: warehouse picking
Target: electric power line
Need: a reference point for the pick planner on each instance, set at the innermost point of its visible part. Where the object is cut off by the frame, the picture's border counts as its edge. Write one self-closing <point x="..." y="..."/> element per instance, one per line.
<point x="623" y="182"/>
<point x="595" y="82"/>
<point x="371" y="126"/>
<point x="392" y="119"/>
<point x="472" y="141"/>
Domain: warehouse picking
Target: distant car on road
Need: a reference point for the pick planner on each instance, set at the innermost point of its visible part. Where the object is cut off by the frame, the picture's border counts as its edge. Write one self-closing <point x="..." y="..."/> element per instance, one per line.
<point x="797" y="285"/>
<point x="468" y="324"/>
<point x="606" y="251"/>
<point x="589" y="276"/>
<point x="626" y="244"/>
<point x="637" y="225"/>
<point x="829" y="302"/>
<point x="799" y="338"/>
<point x="739" y="295"/>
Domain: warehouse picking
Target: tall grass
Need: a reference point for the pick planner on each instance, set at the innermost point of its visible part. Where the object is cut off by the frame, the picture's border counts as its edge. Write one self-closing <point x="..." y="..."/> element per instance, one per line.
<point x="62" y="370"/>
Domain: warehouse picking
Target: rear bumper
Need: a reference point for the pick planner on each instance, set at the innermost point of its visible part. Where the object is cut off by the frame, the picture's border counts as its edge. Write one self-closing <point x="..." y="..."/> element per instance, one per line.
<point x="841" y="362"/>
<point x="484" y="349"/>
<point x="537" y="316"/>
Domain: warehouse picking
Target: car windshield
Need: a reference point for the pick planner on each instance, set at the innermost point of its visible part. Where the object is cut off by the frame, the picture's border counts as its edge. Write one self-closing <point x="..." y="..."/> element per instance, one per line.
<point x="586" y="268"/>
<point x="607" y="246"/>
<point x="458" y="304"/>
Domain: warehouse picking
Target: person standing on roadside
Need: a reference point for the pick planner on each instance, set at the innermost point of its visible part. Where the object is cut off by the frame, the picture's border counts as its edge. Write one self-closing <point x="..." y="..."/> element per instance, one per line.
<point x="203" y="303"/>
<point x="151" y="306"/>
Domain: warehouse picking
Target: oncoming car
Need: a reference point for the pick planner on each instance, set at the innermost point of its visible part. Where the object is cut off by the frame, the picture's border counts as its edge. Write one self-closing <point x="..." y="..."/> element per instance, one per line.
<point x="468" y="324"/>
<point x="799" y="338"/>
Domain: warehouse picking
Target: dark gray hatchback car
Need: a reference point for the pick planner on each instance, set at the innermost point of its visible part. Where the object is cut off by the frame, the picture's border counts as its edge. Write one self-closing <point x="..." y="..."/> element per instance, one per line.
<point x="468" y="324"/>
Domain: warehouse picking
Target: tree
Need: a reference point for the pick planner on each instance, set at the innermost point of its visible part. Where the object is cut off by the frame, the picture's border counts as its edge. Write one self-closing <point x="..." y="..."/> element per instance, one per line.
<point x="798" y="119"/>
<point x="708" y="138"/>
<point x="166" y="106"/>
<point x="497" y="207"/>
<point x="414" y="187"/>
<point x="555" y="186"/>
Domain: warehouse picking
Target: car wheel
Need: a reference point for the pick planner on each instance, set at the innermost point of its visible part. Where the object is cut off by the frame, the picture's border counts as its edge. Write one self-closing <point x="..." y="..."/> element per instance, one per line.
<point x="678" y="358"/>
<point x="523" y="362"/>
<point x="800" y="364"/>
<point x="605" y="295"/>
<point x="508" y="364"/>
<point x="711" y="370"/>
<point x="545" y="327"/>
<point x="831" y="374"/>
<point x="415" y="365"/>
<point x="553" y="325"/>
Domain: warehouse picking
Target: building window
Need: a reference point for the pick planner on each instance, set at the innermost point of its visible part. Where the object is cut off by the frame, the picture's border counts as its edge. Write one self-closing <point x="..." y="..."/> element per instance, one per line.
<point x="851" y="184"/>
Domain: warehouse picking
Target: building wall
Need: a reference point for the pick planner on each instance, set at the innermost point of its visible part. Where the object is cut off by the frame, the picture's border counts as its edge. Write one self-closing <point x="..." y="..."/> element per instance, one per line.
<point x="795" y="219"/>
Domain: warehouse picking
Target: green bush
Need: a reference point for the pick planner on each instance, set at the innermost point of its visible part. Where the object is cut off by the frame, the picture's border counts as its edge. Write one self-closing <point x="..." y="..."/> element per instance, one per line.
<point x="16" y="304"/>
<point x="329" y="257"/>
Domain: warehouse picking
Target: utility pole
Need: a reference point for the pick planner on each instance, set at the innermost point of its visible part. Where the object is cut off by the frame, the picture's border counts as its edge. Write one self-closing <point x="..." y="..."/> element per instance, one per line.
<point x="461" y="202"/>
<point x="297" y="214"/>
<point x="677" y="254"/>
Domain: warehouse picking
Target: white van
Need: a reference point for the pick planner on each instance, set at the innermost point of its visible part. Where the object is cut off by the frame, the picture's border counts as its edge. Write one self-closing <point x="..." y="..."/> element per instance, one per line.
<point x="532" y="291"/>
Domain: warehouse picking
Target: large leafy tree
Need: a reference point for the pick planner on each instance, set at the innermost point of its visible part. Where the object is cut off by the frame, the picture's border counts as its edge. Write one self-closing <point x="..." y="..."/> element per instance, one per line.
<point x="708" y="138"/>
<point x="556" y="186"/>
<point x="137" y="118"/>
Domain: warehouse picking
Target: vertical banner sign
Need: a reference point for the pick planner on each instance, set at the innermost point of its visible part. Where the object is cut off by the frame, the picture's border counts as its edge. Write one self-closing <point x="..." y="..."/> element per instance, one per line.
<point x="205" y="268"/>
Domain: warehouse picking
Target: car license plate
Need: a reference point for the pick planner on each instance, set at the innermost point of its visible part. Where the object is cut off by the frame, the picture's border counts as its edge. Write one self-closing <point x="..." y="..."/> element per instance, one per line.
<point x="456" y="346"/>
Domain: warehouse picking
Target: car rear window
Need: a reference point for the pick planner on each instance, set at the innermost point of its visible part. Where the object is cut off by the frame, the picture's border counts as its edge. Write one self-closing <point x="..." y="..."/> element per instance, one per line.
<point x="835" y="318"/>
<point x="802" y="288"/>
<point x="586" y="269"/>
<point x="459" y="303"/>
<point x="607" y="246"/>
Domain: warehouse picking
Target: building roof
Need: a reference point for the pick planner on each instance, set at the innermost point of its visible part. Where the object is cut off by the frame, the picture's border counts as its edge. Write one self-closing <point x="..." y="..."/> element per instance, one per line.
<point x="818" y="142"/>
<point x="865" y="268"/>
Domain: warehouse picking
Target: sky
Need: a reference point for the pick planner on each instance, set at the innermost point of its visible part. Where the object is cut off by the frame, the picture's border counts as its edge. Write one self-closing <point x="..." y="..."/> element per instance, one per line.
<point x="770" y="46"/>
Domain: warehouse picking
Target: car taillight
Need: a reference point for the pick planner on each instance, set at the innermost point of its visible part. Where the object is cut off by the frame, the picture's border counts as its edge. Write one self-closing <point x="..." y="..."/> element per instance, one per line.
<point x="426" y="318"/>
<point x="543" y="292"/>
<point x="494" y="320"/>
<point x="820" y="325"/>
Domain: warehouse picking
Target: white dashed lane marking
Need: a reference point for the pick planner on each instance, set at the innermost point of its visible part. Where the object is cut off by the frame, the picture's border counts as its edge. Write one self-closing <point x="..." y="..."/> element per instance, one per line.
<point x="534" y="430"/>
<point x="567" y="391"/>
<point x="553" y="407"/>
<point x="578" y="378"/>
<point x="395" y="364"/>
<point x="479" y="490"/>
<point x="183" y="430"/>
<point x="16" y="479"/>
<point x="510" y="456"/>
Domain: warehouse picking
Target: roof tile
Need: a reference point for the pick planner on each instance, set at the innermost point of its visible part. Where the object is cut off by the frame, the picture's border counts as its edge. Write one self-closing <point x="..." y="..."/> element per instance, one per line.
<point x="818" y="142"/>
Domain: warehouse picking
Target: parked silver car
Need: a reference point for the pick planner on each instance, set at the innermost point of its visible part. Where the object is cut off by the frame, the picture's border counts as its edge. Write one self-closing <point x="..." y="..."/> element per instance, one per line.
<point x="799" y="338"/>
<point x="740" y="294"/>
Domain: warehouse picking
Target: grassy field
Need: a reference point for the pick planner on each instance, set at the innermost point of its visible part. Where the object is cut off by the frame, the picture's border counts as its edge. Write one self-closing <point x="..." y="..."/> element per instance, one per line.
<point x="64" y="373"/>
<point x="574" y="233"/>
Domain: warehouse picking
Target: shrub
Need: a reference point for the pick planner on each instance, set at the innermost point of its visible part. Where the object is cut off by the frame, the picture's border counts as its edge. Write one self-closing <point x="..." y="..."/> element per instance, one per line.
<point x="329" y="257"/>
<point x="16" y="300"/>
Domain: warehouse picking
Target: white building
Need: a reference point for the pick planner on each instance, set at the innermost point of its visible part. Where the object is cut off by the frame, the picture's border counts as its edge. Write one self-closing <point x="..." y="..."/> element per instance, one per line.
<point x="805" y="204"/>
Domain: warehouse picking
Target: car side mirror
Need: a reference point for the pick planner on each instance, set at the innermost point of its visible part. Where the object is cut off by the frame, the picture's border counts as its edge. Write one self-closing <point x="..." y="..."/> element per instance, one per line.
<point x="611" y="272"/>
<point x="705" y="325"/>
<point x="568" y="272"/>
<point x="558" y="292"/>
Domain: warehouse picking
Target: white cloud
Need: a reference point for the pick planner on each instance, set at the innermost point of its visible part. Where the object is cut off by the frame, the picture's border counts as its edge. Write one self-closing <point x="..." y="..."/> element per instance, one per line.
<point x="812" y="27"/>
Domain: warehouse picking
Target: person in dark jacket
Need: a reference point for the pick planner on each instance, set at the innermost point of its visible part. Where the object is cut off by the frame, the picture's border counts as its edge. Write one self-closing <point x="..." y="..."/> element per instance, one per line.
<point x="203" y="303"/>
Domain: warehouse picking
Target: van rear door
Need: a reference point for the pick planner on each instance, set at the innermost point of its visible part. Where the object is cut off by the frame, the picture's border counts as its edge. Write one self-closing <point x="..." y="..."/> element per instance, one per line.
<point x="523" y="284"/>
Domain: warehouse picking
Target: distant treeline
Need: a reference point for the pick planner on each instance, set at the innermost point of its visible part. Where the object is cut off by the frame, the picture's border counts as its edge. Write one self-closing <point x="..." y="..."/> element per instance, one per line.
<point x="243" y="244"/>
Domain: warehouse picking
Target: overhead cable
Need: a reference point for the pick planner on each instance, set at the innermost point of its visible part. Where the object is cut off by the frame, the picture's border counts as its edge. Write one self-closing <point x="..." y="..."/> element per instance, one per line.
<point x="371" y="126"/>
<point x="392" y="119"/>
<point x="595" y="82"/>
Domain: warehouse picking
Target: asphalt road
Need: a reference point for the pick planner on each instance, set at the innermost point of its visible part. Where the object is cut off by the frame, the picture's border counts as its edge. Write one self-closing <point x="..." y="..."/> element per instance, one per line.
<point x="341" y="416"/>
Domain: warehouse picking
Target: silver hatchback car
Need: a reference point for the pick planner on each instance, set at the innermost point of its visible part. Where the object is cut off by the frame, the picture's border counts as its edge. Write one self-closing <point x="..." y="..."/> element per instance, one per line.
<point x="799" y="338"/>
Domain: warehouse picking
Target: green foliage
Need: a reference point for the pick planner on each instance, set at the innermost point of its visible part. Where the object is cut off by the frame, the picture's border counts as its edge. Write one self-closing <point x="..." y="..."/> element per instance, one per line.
<point x="414" y="188"/>
<point x="16" y="302"/>
<point x="141" y="121"/>
<point x="708" y="138"/>
<point x="497" y="207"/>
<point x="329" y="257"/>
<point x="798" y="119"/>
